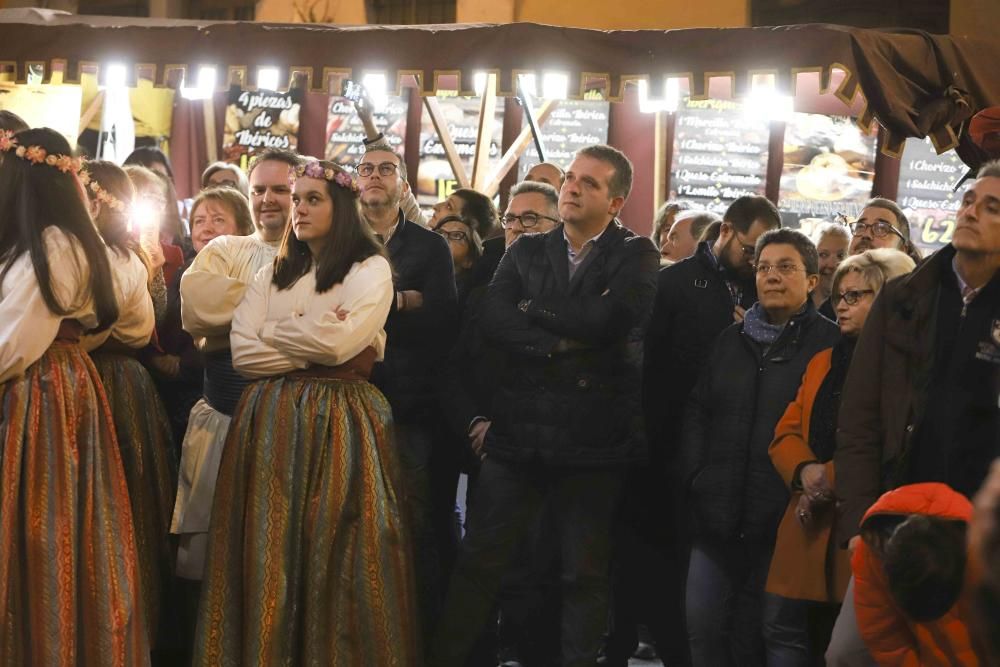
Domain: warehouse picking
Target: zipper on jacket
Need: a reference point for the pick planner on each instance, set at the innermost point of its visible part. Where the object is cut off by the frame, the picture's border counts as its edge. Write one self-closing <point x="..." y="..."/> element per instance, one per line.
<point x="762" y="359"/>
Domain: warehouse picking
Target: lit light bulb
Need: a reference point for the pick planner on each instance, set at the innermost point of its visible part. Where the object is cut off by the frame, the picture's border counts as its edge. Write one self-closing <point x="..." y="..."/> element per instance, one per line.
<point x="267" y="78"/>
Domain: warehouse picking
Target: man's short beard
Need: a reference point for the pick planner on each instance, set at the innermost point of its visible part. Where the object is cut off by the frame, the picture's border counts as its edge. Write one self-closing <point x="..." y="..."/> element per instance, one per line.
<point x="383" y="204"/>
<point x="265" y="230"/>
<point x="724" y="257"/>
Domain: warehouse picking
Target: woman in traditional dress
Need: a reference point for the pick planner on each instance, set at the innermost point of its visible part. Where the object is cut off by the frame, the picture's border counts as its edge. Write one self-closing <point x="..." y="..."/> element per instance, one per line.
<point x="309" y="562"/>
<point x="69" y="588"/>
<point x="141" y="422"/>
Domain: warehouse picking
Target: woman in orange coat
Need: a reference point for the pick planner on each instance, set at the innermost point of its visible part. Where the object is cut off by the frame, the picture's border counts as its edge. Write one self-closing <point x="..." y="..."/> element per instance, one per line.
<point x="808" y="572"/>
<point x="911" y="579"/>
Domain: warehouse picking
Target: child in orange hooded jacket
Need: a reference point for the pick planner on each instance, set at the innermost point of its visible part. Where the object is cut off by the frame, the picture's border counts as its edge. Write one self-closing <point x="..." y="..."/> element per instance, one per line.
<point x="911" y="580"/>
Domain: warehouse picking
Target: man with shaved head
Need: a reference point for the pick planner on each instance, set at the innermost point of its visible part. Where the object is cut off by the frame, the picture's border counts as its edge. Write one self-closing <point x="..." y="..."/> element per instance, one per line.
<point x="547" y="172"/>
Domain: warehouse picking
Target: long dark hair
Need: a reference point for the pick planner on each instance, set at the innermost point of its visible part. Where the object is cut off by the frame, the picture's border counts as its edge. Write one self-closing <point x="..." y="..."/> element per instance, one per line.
<point x="12" y="122"/>
<point x="350" y="240"/>
<point x="34" y="197"/>
<point x="147" y="156"/>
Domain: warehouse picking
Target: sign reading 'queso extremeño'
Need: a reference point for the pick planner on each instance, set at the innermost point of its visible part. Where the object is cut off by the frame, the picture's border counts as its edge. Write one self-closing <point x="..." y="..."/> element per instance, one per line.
<point x="259" y="120"/>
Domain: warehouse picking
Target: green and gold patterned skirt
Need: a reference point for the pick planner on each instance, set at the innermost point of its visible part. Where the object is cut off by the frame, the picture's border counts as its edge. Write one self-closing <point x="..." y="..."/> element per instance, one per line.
<point x="69" y="586"/>
<point x="309" y="561"/>
<point x="147" y="451"/>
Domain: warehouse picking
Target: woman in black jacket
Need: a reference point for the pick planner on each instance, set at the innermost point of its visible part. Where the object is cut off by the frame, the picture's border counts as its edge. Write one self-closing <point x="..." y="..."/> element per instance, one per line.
<point x="735" y="498"/>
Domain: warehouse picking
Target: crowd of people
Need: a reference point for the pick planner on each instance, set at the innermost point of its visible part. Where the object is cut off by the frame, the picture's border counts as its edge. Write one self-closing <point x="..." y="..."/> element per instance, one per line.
<point x="238" y="438"/>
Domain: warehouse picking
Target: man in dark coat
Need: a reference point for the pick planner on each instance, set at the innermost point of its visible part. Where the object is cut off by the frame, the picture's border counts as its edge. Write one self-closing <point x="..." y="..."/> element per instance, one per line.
<point x="696" y="299"/>
<point x="735" y="497"/>
<point x="421" y="325"/>
<point x="921" y="397"/>
<point x="474" y="371"/>
<point x="570" y="307"/>
<point x="922" y="401"/>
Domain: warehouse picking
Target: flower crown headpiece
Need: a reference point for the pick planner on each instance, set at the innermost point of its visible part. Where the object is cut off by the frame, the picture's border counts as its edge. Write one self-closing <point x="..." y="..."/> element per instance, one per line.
<point x="37" y="154"/>
<point x="100" y="193"/>
<point x="315" y="169"/>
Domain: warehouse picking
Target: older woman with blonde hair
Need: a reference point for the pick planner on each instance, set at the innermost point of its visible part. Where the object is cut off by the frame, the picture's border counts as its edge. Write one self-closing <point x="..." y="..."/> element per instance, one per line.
<point x="219" y="211"/>
<point x="809" y="573"/>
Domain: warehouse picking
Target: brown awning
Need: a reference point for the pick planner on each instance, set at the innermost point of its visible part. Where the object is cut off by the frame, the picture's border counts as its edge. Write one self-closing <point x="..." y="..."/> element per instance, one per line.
<point x="915" y="84"/>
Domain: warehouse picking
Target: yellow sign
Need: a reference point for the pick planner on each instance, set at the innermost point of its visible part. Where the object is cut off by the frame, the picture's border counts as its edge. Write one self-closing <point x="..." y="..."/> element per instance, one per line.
<point x="55" y="106"/>
<point x="152" y="108"/>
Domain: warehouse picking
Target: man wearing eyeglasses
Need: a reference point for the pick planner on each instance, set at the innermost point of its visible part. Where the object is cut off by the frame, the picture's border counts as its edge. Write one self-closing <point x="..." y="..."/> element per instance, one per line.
<point x="882" y="224"/>
<point x="533" y="209"/>
<point x="920" y="402"/>
<point x="696" y="299"/>
<point x="472" y="375"/>
<point x="419" y="332"/>
<point x="569" y="307"/>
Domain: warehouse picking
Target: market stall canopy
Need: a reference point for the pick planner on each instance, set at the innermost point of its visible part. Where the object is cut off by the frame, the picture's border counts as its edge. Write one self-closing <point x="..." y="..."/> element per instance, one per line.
<point x="914" y="84"/>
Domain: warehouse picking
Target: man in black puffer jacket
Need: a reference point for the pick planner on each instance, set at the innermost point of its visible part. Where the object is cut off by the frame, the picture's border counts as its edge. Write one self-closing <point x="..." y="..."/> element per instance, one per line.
<point x="570" y="307"/>
<point x="735" y="497"/>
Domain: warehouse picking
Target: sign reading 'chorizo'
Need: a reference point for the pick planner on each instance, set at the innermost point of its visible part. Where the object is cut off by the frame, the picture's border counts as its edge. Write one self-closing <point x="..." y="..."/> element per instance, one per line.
<point x="926" y="193"/>
<point x="345" y="132"/>
<point x="719" y="154"/>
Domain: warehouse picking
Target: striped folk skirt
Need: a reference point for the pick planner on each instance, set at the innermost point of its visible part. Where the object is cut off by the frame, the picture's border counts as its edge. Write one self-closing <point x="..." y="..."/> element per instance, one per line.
<point x="69" y="585"/>
<point x="309" y="561"/>
<point x="147" y="451"/>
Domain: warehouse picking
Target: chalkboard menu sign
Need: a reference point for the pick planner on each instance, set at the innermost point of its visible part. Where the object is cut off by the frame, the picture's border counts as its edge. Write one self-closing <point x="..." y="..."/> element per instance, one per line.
<point x="719" y="154"/>
<point x="259" y="120"/>
<point x="829" y="165"/>
<point x="572" y="125"/>
<point x="926" y="184"/>
<point x="344" y="131"/>
<point x="436" y="180"/>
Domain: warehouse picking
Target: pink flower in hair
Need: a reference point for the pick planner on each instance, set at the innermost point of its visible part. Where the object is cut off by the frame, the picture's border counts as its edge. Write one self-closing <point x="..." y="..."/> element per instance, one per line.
<point x="35" y="154"/>
<point x="7" y="140"/>
<point x="313" y="170"/>
<point x="344" y="180"/>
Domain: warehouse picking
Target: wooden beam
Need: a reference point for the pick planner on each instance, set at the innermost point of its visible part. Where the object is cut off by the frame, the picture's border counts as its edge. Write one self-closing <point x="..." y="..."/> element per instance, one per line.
<point x="444" y="134"/>
<point x="517" y="149"/>
<point x="211" y="147"/>
<point x="484" y="138"/>
<point x="659" y="160"/>
<point x="88" y="115"/>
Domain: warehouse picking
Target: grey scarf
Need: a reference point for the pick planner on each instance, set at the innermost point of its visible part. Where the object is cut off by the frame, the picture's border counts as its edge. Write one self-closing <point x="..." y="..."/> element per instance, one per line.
<point x="756" y="326"/>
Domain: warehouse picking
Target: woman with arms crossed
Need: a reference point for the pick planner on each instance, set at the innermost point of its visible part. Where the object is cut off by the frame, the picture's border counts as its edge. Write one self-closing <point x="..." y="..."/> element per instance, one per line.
<point x="308" y="560"/>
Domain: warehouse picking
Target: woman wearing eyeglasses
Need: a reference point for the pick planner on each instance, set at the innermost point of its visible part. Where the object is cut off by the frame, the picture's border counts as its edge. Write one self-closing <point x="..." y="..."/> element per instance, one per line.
<point x="734" y="497"/>
<point x="809" y="573"/>
<point x="466" y="250"/>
